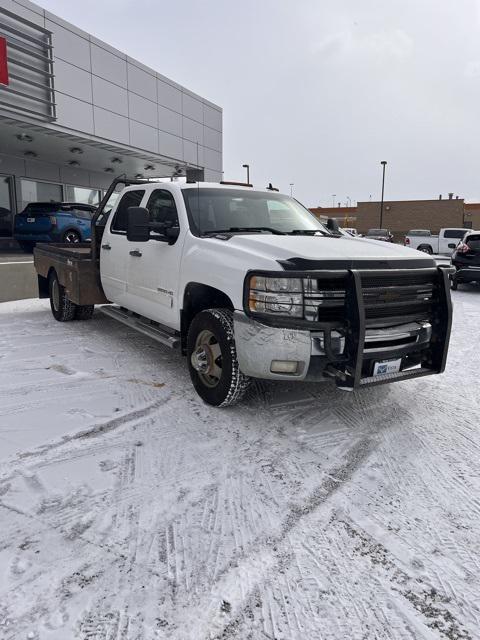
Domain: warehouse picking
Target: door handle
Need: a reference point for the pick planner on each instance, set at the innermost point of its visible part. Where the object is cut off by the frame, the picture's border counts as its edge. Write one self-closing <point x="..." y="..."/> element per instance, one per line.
<point x="136" y="253"/>
<point x="106" y="246"/>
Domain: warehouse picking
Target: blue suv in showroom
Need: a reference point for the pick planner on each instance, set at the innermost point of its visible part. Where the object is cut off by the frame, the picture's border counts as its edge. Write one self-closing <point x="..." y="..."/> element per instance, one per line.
<point x="53" y="222"/>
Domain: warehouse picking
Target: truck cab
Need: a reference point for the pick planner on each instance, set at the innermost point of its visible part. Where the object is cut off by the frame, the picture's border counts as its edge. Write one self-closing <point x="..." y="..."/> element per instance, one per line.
<point x="249" y="284"/>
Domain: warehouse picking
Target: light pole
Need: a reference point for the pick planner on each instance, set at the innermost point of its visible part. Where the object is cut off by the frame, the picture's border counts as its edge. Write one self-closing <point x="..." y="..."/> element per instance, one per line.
<point x="384" y="164"/>
<point x="247" y="167"/>
<point x="334" y="195"/>
<point x="292" y="184"/>
<point x="349" y="201"/>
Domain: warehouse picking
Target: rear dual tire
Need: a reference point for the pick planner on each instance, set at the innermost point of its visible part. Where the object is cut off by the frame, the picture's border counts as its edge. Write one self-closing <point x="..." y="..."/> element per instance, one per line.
<point x="63" y="309"/>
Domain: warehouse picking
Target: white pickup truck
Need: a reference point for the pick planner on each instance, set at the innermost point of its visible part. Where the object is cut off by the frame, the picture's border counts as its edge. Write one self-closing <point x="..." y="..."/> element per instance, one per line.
<point x="249" y="284"/>
<point x="443" y="244"/>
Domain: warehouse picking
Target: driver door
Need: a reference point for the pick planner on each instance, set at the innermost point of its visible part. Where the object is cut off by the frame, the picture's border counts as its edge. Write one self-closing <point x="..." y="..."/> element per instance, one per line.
<point x="153" y="266"/>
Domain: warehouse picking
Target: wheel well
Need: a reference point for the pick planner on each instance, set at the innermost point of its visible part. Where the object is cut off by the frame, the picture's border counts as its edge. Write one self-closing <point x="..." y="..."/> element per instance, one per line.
<point x="198" y="297"/>
<point x="43" y="291"/>
<point x="426" y="246"/>
<point x="77" y="231"/>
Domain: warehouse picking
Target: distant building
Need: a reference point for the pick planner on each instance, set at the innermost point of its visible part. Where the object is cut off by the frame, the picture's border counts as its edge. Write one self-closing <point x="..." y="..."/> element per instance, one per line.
<point x="399" y="216"/>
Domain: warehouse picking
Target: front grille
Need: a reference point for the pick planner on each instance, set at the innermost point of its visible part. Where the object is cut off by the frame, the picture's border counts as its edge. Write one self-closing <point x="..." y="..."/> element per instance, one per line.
<point x="390" y="295"/>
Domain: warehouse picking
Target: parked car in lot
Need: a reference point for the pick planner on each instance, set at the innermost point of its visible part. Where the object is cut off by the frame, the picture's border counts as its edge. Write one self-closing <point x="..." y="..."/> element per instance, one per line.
<point x="379" y="234"/>
<point x="466" y="260"/>
<point x="249" y="284"/>
<point x="444" y="243"/>
<point x="68" y="222"/>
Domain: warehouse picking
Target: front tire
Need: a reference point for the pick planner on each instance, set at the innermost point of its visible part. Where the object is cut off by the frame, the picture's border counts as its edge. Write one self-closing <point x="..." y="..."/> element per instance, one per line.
<point x="212" y="358"/>
<point x="62" y="308"/>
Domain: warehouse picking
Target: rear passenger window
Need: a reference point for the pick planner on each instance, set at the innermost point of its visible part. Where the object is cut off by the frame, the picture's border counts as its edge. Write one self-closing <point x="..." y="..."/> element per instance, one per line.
<point x="455" y="233"/>
<point x="161" y="206"/>
<point x="129" y="199"/>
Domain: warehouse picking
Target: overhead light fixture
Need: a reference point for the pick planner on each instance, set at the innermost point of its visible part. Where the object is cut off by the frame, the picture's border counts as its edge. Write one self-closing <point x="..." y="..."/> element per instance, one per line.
<point x="149" y="167"/>
<point x="30" y="154"/>
<point x="74" y="163"/>
<point x="108" y="170"/>
<point x="24" y="137"/>
<point x="139" y="176"/>
<point x="76" y="150"/>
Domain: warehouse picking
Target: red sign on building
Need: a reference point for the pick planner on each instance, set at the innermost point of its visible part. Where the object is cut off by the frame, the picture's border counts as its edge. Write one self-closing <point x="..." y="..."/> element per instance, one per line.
<point x="3" y="62"/>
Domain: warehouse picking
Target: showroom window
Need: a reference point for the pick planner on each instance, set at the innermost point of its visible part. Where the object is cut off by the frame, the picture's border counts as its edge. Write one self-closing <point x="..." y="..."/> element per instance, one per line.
<point x="6" y="207"/>
<point x="83" y="195"/>
<point x="33" y="191"/>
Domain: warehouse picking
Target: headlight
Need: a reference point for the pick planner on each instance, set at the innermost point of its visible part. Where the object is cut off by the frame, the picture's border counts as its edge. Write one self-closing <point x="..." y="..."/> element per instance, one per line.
<point x="276" y="296"/>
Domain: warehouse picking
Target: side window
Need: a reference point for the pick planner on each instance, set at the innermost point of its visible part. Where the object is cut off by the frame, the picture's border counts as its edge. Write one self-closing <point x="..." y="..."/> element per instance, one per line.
<point x="455" y="233"/>
<point x="161" y="206"/>
<point x="129" y="199"/>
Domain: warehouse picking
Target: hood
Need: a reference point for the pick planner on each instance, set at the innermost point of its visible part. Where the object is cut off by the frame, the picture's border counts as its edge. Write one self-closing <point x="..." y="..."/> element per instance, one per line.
<point x="321" y="248"/>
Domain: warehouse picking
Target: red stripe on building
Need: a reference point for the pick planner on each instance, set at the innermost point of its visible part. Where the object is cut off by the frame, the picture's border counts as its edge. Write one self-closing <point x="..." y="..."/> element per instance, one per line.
<point x="3" y="62"/>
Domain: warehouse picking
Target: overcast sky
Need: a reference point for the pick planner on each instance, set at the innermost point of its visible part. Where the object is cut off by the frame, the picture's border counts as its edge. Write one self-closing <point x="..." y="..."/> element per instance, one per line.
<point x="317" y="92"/>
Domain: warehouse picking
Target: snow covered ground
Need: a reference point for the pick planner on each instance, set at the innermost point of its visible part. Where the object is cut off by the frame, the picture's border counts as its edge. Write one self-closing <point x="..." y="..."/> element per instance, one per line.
<point x="130" y="510"/>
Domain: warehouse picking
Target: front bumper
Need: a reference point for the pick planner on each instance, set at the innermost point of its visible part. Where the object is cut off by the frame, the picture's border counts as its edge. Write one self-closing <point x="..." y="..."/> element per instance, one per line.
<point x="466" y="272"/>
<point x="348" y="351"/>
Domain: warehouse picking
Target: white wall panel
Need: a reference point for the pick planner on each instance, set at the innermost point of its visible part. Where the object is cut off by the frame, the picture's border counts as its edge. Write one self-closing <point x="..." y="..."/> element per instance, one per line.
<point x="141" y="82"/>
<point x="74" y="114"/>
<point x="170" y="145"/>
<point x="192" y="108"/>
<point x="109" y="66"/>
<point x="169" y="121"/>
<point x="110" y="96"/>
<point x="169" y="96"/>
<point x="143" y="136"/>
<point x="69" y="46"/>
<point x="212" y="117"/>
<point x="73" y="81"/>
<point x="111" y="126"/>
<point x="142" y="110"/>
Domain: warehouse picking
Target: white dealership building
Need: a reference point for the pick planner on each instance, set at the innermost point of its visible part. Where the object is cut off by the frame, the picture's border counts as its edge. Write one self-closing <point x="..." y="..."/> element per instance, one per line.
<point x="75" y="112"/>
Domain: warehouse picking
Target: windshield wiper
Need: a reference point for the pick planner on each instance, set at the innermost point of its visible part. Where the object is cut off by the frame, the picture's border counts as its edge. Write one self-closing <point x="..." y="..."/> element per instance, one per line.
<point x="236" y="229"/>
<point x="308" y="232"/>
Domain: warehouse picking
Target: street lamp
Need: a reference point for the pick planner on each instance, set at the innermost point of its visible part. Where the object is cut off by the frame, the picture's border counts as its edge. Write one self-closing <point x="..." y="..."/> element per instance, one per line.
<point x="383" y="163"/>
<point x="292" y="184"/>
<point x="334" y="195"/>
<point x="349" y="201"/>
<point x="247" y="167"/>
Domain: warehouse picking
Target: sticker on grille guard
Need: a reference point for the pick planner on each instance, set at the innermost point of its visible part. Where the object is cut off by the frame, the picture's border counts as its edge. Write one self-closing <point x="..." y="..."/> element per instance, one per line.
<point x="386" y="366"/>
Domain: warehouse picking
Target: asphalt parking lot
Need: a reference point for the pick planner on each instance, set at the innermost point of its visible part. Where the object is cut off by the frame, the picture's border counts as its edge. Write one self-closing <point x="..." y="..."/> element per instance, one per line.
<point x="131" y="510"/>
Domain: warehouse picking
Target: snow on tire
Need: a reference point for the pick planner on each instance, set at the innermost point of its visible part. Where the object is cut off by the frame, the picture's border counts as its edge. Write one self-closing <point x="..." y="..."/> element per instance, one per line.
<point x="212" y="358"/>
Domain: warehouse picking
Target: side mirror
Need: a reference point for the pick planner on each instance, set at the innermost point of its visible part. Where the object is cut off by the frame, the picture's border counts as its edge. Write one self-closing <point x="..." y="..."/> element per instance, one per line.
<point x="138" y="224"/>
<point x="332" y="225"/>
<point x="452" y="246"/>
<point x="172" y="234"/>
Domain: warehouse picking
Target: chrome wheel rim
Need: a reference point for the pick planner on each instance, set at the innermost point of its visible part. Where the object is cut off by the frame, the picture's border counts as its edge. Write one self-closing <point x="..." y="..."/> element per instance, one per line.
<point x="55" y="295"/>
<point x="71" y="236"/>
<point x="206" y="358"/>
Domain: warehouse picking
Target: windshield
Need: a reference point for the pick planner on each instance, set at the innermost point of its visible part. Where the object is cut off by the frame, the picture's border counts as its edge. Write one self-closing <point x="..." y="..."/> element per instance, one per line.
<point x="216" y="210"/>
<point x="377" y="232"/>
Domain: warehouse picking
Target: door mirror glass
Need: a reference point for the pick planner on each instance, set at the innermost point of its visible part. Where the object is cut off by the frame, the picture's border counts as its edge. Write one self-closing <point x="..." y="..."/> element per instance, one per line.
<point x="138" y="224"/>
